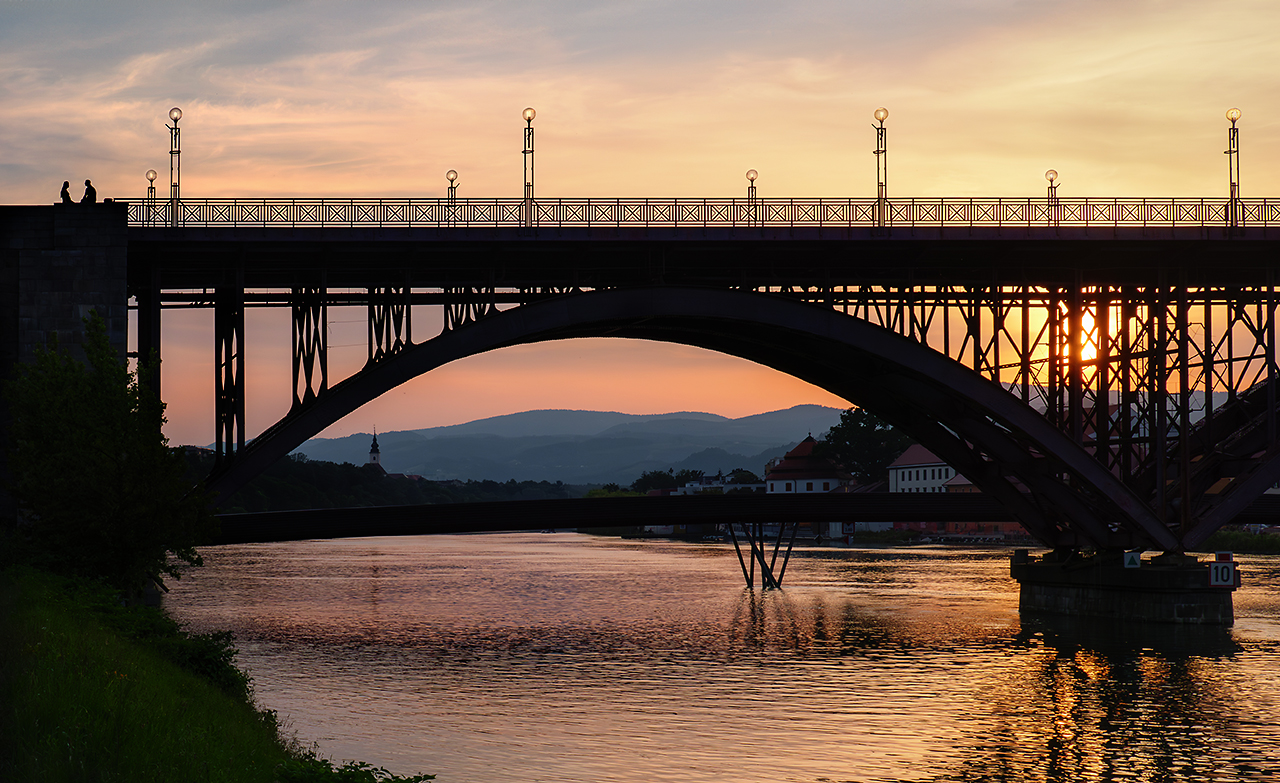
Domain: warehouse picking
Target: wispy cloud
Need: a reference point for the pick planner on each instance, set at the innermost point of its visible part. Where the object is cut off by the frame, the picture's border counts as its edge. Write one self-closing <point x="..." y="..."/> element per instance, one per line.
<point x="646" y="97"/>
<point x="637" y="98"/>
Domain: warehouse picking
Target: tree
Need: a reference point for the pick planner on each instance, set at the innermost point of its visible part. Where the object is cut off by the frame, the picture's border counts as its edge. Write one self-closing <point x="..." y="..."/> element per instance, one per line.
<point x="864" y="443"/>
<point x="98" y="490"/>
<point x="668" y="479"/>
<point x="685" y="475"/>
<point x="654" y="479"/>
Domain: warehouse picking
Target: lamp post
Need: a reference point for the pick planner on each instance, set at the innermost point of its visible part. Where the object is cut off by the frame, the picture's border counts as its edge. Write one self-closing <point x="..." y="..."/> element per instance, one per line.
<point x="528" y="115"/>
<point x="175" y="165"/>
<point x="452" y="176"/>
<point x="751" y="196"/>
<point x="1233" y="172"/>
<point x="882" y="169"/>
<point x="150" y="219"/>
<point x="1052" y="196"/>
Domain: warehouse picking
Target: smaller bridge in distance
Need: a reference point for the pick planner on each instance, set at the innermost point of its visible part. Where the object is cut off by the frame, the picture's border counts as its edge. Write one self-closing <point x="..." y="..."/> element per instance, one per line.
<point x="586" y="513"/>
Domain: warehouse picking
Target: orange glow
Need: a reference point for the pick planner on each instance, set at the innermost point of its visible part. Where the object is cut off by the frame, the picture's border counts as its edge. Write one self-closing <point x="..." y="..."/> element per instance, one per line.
<point x="629" y="376"/>
<point x="1088" y="336"/>
<point x="1122" y="99"/>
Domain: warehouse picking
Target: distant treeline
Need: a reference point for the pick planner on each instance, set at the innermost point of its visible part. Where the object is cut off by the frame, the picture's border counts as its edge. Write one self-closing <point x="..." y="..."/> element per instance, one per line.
<point x="298" y="482"/>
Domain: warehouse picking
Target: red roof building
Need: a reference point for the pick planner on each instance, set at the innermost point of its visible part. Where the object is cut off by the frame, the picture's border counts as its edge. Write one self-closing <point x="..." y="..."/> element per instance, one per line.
<point x="801" y="472"/>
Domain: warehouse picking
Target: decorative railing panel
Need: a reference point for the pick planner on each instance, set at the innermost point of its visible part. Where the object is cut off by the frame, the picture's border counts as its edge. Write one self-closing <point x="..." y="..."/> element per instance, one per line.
<point x="707" y="213"/>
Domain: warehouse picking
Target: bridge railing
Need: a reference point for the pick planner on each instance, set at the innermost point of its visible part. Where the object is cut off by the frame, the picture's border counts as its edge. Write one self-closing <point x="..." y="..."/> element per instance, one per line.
<point x="707" y="213"/>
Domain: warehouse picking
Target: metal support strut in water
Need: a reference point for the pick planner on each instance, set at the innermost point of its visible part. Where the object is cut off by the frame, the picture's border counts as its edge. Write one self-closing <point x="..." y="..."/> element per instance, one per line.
<point x="754" y="536"/>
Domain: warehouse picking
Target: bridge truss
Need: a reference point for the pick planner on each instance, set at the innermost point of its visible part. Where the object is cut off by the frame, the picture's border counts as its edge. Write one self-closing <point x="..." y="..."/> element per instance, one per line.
<point x="1152" y="349"/>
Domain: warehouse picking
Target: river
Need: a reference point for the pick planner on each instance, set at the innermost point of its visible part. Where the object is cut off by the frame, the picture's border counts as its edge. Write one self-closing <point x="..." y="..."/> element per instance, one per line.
<point x="563" y="657"/>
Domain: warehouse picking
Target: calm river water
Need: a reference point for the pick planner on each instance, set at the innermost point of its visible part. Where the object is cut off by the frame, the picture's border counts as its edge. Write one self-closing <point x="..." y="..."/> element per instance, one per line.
<point x="564" y="657"/>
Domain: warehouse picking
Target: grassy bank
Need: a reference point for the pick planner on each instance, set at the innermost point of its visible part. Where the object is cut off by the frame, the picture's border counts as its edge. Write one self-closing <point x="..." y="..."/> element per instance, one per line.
<point x="92" y="691"/>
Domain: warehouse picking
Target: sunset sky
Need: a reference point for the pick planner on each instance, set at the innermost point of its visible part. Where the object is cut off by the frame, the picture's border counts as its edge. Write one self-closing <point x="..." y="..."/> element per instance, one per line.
<point x="634" y="98"/>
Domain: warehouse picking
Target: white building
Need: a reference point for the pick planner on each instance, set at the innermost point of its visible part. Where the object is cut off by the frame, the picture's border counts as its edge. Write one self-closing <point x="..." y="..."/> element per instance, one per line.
<point x="919" y="470"/>
<point x="800" y="472"/>
<point x="716" y="485"/>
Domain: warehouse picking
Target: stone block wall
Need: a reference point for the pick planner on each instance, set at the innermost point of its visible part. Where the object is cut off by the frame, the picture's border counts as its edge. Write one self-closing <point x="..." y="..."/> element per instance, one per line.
<point x="57" y="263"/>
<point x="60" y="262"/>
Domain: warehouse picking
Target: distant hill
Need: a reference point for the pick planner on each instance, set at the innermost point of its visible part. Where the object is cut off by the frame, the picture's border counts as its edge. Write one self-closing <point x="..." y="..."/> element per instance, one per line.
<point x="558" y="423"/>
<point x="583" y="447"/>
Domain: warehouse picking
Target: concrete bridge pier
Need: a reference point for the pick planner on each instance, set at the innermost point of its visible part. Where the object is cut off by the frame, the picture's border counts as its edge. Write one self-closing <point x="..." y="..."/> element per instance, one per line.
<point x="1115" y="584"/>
<point x="57" y="263"/>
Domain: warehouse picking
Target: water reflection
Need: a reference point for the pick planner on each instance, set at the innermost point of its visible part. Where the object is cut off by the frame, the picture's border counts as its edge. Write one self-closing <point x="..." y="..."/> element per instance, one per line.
<point x="563" y="658"/>
<point x="811" y="624"/>
<point x="1101" y="701"/>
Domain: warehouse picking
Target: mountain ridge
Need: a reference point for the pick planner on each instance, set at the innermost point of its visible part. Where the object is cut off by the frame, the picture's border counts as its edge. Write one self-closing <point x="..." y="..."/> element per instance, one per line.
<point x="570" y="421"/>
<point x="583" y="447"/>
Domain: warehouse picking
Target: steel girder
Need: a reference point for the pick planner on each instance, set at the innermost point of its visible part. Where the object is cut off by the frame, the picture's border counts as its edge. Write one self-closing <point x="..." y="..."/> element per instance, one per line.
<point x="1135" y="375"/>
<point x="310" y="344"/>
<point x="1060" y="491"/>
<point x="1143" y="379"/>
<point x="390" y="321"/>
<point x="1129" y="340"/>
<point x="229" y="400"/>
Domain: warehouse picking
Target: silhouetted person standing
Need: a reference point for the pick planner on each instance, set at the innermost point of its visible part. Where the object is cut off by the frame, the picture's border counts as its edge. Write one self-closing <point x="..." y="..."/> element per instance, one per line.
<point x="66" y="192"/>
<point x="90" y="193"/>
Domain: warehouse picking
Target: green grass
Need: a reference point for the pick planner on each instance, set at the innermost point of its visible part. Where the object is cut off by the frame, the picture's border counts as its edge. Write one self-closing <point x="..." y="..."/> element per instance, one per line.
<point x="84" y="703"/>
<point x="90" y="691"/>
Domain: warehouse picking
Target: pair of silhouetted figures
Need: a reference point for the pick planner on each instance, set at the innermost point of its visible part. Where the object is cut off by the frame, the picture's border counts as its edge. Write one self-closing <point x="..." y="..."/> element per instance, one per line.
<point x="90" y="193"/>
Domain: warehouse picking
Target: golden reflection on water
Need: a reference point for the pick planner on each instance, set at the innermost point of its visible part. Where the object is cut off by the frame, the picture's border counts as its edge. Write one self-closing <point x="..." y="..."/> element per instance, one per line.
<point x="1099" y="702"/>
<point x="566" y="658"/>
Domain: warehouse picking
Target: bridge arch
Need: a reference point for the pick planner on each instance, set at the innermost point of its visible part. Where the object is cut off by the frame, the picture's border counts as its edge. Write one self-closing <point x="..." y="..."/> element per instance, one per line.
<point x="1055" y="488"/>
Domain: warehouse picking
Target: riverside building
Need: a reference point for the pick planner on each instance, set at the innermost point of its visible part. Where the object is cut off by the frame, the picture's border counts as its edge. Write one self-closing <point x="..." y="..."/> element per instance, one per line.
<point x="800" y="472"/>
<point x="918" y="470"/>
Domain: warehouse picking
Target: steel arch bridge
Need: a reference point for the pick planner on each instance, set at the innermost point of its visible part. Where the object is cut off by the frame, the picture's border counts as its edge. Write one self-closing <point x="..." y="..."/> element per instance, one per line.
<point x="1113" y="385"/>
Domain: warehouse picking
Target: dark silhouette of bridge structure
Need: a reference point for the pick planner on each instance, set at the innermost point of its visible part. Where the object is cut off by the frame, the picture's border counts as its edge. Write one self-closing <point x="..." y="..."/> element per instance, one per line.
<point x="1104" y="368"/>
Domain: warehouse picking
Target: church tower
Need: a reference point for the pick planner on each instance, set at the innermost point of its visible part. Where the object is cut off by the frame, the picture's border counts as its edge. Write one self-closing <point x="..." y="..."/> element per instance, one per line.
<point x="375" y="456"/>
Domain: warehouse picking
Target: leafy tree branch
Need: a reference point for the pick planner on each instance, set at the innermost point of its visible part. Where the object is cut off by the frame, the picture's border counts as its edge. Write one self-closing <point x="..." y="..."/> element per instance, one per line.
<point x="99" y="492"/>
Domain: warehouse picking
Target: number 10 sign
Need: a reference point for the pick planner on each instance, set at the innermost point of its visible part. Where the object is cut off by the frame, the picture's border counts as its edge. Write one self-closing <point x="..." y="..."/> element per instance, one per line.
<point x="1222" y="574"/>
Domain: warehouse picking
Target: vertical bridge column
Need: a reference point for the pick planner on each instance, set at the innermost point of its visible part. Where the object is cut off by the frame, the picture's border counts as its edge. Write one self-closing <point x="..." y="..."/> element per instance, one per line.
<point x="149" y="330"/>
<point x="228" y="326"/>
<point x="468" y="304"/>
<point x="390" y="321"/>
<point x="310" y="344"/>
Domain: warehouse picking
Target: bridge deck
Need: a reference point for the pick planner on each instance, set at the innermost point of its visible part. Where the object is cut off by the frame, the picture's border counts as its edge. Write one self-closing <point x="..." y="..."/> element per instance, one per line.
<point x="741" y="256"/>
<point x="518" y="515"/>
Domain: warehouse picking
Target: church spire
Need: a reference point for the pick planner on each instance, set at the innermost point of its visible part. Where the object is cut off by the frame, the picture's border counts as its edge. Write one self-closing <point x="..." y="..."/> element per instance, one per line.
<point x="375" y="456"/>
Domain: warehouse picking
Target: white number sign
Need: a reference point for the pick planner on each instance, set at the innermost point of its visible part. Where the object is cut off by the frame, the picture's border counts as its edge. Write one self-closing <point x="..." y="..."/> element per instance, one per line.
<point x="1222" y="574"/>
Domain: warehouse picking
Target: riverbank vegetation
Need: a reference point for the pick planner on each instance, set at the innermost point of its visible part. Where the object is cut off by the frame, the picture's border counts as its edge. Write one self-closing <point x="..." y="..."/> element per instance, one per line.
<point x="93" y="690"/>
<point x="99" y="491"/>
<point x="95" y="685"/>
<point x="299" y="482"/>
